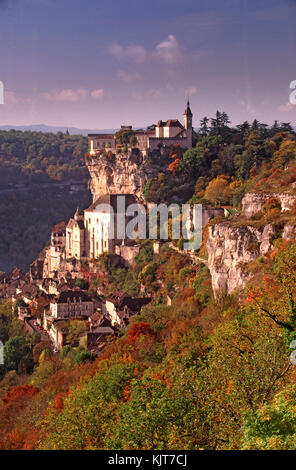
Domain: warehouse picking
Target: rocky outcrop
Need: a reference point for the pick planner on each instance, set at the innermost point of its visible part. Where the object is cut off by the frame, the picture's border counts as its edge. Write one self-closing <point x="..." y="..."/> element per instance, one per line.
<point x="230" y="249"/>
<point x="289" y="232"/>
<point x="120" y="174"/>
<point x="254" y="202"/>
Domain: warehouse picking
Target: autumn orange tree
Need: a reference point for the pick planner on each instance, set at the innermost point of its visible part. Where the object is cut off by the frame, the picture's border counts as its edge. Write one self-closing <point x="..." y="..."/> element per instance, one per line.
<point x="219" y="190"/>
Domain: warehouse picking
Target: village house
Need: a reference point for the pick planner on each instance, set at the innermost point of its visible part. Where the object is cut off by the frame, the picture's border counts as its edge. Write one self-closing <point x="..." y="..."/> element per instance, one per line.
<point x="53" y="286"/>
<point x="55" y="253"/>
<point x="28" y="292"/>
<point x="75" y="236"/>
<point x="58" y="332"/>
<point x="71" y="303"/>
<point x="57" y="245"/>
<point x="100" y="332"/>
<point x="120" y="307"/>
<point x="98" y="337"/>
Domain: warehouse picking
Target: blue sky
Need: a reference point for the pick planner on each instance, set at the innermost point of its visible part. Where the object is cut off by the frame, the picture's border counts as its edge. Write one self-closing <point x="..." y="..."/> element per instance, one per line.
<point x="99" y="64"/>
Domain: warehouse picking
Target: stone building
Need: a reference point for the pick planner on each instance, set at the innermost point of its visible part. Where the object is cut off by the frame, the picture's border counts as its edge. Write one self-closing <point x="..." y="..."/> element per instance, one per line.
<point x="57" y="246"/>
<point x="95" y="232"/>
<point x="71" y="303"/>
<point x="165" y="134"/>
<point x="100" y="142"/>
<point x="53" y="255"/>
<point x="101" y="224"/>
<point x="120" y="307"/>
<point x="75" y="236"/>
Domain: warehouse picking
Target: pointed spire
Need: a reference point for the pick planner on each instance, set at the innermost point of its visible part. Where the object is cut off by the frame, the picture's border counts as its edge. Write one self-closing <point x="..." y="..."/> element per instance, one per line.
<point x="187" y="111"/>
<point x="78" y="213"/>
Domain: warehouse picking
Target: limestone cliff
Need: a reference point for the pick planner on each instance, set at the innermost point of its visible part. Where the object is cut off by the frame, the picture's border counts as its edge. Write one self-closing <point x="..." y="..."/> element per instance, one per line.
<point x="254" y="202"/>
<point x="122" y="174"/>
<point x="230" y="249"/>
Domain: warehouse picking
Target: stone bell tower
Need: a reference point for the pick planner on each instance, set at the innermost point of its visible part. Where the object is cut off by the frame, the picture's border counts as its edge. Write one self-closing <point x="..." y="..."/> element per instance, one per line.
<point x="188" y="123"/>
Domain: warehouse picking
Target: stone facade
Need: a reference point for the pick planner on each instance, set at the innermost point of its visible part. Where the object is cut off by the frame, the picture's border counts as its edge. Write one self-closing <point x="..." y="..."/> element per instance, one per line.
<point x="71" y="303"/>
<point x="55" y="252"/>
<point x="75" y="236"/>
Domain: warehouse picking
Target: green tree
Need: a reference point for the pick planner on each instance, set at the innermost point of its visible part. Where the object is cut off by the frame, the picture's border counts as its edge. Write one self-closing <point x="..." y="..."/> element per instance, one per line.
<point x="18" y="355"/>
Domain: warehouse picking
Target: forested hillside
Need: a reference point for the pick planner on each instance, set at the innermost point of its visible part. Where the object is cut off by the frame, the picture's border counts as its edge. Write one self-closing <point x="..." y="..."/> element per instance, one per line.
<point x="33" y="170"/>
<point x="36" y="157"/>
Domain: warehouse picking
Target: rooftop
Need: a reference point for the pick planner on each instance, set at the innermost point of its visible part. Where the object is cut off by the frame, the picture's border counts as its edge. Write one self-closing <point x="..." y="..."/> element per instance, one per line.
<point x="73" y="295"/>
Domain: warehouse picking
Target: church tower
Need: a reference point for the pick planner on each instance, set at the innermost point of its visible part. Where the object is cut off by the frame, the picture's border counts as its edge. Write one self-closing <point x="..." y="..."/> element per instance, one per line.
<point x="78" y="214"/>
<point x="188" y="123"/>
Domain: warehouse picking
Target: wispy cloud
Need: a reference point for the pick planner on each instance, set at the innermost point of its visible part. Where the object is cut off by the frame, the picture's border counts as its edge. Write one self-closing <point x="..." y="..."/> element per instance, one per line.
<point x="11" y="98"/>
<point x="64" y="95"/>
<point x="287" y="108"/>
<point x="97" y="94"/>
<point x="169" y="50"/>
<point x="70" y="95"/>
<point x="135" y="52"/>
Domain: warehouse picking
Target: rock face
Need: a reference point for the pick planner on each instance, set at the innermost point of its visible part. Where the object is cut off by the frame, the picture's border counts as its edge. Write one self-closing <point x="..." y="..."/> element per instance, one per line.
<point x="230" y="249"/>
<point x="253" y="202"/>
<point x="289" y="232"/>
<point x="118" y="175"/>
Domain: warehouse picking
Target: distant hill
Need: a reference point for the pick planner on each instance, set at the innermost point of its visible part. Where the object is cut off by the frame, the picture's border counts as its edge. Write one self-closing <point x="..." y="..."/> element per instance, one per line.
<point x="53" y="129"/>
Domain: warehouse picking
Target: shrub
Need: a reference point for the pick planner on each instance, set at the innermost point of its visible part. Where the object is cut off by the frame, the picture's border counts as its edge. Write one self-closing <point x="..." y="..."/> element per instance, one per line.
<point x="84" y="356"/>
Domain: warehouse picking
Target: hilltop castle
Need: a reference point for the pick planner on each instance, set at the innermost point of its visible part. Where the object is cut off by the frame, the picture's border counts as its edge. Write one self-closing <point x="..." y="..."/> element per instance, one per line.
<point x="164" y="134"/>
<point x="87" y="234"/>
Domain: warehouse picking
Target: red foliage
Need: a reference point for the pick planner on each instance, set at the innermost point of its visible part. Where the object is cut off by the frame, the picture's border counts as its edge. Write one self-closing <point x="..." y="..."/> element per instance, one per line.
<point x="15" y="440"/>
<point x="138" y="329"/>
<point x="173" y="167"/>
<point x="17" y="393"/>
<point x="59" y="401"/>
<point x="31" y="440"/>
<point x="252" y="296"/>
<point x="14" y="401"/>
<point x="279" y="134"/>
<point x="157" y="376"/>
<point x="126" y="393"/>
<point x="273" y="253"/>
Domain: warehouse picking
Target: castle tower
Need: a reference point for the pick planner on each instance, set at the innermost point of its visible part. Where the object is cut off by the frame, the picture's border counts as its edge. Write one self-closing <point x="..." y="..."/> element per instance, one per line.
<point x="188" y="123"/>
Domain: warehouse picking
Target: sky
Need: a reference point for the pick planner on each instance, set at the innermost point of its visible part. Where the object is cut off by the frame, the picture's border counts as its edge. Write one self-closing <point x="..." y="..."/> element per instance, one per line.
<point x="99" y="64"/>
